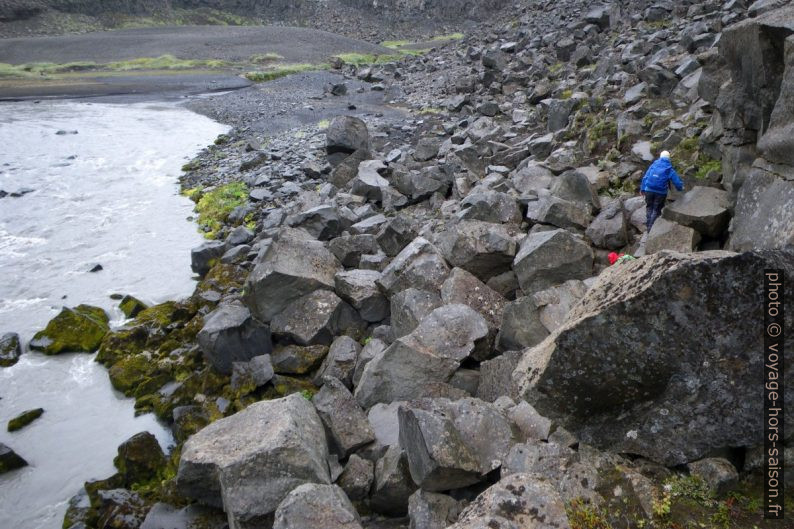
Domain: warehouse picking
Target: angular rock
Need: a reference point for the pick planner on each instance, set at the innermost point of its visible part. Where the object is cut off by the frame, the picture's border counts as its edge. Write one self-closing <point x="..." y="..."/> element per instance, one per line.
<point x="313" y="506"/>
<point x="666" y="235"/>
<point x="10" y="349"/>
<point x="252" y="374"/>
<point x="704" y="209"/>
<point x="131" y="306"/>
<point x="139" y="458"/>
<point x="24" y="418"/>
<point x="430" y="510"/>
<point x="291" y="267"/>
<point x="316" y="318"/>
<point x="296" y="360"/>
<point x="764" y="217"/>
<point x="345" y="422"/>
<point x="340" y="363"/>
<point x="230" y="334"/>
<point x="574" y="186"/>
<point x="360" y="289"/>
<point x="551" y="257"/>
<point x="654" y="366"/>
<point x="609" y="229"/>
<point x="409" y="307"/>
<point x="246" y="464"/>
<point x="532" y="424"/>
<point x="718" y="473"/>
<point x="9" y="460"/>
<point x="357" y="477"/>
<point x="496" y="376"/>
<point x="371" y="349"/>
<point x="521" y="325"/>
<point x="531" y="178"/>
<point x="463" y="288"/>
<point x="420" y="185"/>
<point x="205" y="256"/>
<point x="345" y="135"/>
<point x="396" y="235"/>
<point x="321" y="222"/>
<point x="419" y="265"/>
<point x="393" y="485"/>
<point x="76" y="330"/>
<point x="482" y="248"/>
<point x="554" y="211"/>
<point x="120" y="508"/>
<point x="490" y="206"/>
<point x="349" y="248"/>
<point x="421" y="363"/>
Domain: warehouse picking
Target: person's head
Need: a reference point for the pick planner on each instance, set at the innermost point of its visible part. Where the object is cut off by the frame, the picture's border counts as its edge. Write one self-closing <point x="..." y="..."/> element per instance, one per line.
<point x="665" y="155"/>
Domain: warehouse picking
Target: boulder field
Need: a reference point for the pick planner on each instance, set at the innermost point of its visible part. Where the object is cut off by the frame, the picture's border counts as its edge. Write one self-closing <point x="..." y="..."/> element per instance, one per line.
<point x="410" y="320"/>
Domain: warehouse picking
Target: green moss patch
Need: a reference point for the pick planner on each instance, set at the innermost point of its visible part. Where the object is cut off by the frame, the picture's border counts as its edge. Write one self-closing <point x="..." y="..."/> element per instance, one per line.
<point x="80" y="329"/>
<point x="131" y="306"/>
<point x="215" y="206"/>
<point x="23" y="419"/>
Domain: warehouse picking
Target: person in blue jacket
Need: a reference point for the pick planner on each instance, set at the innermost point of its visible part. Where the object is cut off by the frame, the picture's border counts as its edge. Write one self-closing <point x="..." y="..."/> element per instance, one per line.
<point x="654" y="187"/>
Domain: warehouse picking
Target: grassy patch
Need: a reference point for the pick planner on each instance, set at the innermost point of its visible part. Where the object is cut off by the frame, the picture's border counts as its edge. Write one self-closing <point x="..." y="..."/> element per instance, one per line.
<point x="264" y="58"/>
<point x="394" y="44"/>
<point x="281" y="71"/>
<point x="214" y="206"/>
<point x="431" y="111"/>
<point x="164" y="62"/>
<point x="359" y="59"/>
<point x="450" y="36"/>
<point x="323" y="124"/>
<point x="583" y="515"/>
<point x="707" y="167"/>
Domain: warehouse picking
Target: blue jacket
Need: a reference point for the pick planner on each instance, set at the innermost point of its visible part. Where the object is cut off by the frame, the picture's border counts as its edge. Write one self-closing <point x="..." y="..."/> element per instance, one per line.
<point x="658" y="175"/>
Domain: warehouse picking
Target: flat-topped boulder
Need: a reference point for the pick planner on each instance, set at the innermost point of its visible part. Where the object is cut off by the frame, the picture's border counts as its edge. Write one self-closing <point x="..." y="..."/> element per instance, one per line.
<point x="704" y="209"/>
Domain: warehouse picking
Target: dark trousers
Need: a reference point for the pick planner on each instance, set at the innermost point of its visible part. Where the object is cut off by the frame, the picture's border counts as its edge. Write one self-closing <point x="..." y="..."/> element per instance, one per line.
<point x="654" y="202"/>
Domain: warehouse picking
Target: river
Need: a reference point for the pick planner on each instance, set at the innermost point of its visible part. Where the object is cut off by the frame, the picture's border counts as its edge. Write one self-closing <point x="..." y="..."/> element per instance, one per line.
<point x="103" y="190"/>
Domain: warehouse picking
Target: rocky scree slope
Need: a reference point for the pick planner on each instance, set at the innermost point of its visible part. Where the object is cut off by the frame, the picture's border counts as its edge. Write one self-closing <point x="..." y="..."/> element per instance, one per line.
<point x="407" y="322"/>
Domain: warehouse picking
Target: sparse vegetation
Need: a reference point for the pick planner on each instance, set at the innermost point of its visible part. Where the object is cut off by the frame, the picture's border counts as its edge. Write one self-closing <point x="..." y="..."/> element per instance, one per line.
<point x="360" y="59"/>
<point x="263" y="58"/>
<point x="164" y="62"/>
<point x="214" y="206"/>
<point x="281" y="71"/>
<point x="583" y="515"/>
<point x="707" y="167"/>
<point x="450" y="36"/>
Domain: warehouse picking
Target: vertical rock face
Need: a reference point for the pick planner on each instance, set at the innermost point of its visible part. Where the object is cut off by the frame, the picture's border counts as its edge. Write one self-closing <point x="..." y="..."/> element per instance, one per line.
<point x="662" y="356"/>
<point x="248" y="463"/>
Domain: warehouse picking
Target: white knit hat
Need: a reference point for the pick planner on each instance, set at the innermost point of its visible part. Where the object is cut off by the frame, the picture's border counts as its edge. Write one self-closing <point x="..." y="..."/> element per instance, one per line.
<point x="665" y="154"/>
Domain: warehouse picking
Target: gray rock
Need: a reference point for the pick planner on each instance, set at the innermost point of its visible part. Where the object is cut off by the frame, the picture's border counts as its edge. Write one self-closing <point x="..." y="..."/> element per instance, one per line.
<point x="371" y="349"/>
<point x="345" y="422"/>
<point x="313" y="506"/>
<point x="316" y="318"/>
<point x="408" y="307"/>
<point x="430" y="510"/>
<point x="396" y="235"/>
<point x="360" y="289"/>
<point x="666" y="235"/>
<point x="357" y="477"/>
<point x="296" y="360"/>
<point x="419" y="265"/>
<point x="463" y="288"/>
<point x="230" y="334"/>
<point x="385" y="422"/>
<point x="321" y="222"/>
<point x="521" y="326"/>
<point x="555" y="303"/>
<point x="349" y="248"/>
<point x="422" y="184"/>
<point x="551" y="257"/>
<point x="575" y="186"/>
<point x="204" y="257"/>
<point x="664" y="311"/>
<point x="452" y="444"/>
<point x="532" y="424"/>
<point x="531" y="178"/>
<point x="422" y="363"/>
<point x="238" y="236"/>
<point x="704" y="209"/>
<point x="10" y="349"/>
<point x="346" y="167"/>
<point x="370" y="182"/>
<point x="764" y="217"/>
<point x="490" y="206"/>
<point x="517" y="501"/>
<point x="246" y="464"/>
<point x="496" y="376"/>
<point x="554" y="211"/>
<point x="482" y="248"/>
<point x="252" y="374"/>
<point x="393" y="485"/>
<point x="193" y="516"/>
<point x="9" y="460"/>
<point x="291" y="267"/>
<point x="346" y="135"/>
<point x="718" y="473"/>
<point x="426" y="149"/>
<point x="609" y="229"/>
<point x="340" y="363"/>
<point x="559" y="112"/>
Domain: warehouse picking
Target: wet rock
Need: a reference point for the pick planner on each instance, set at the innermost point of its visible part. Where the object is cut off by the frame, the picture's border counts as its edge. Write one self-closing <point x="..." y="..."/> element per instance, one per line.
<point x="482" y="248"/>
<point x="551" y="257"/>
<point x="24" y="418"/>
<point x="291" y="267"/>
<point x="430" y="510"/>
<point x="80" y="329"/>
<point x="344" y="136"/>
<point x="340" y="363"/>
<point x="316" y="318"/>
<point x="519" y="500"/>
<point x="345" y="422"/>
<point x="393" y="485"/>
<point x="204" y="257"/>
<point x="120" y="508"/>
<point x="131" y="306"/>
<point x="704" y="209"/>
<point x="357" y="477"/>
<point x="230" y="334"/>
<point x="77" y="511"/>
<point x="666" y="235"/>
<point x="396" y="235"/>
<point x="419" y="265"/>
<point x="422" y="363"/>
<point x="296" y="360"/>
<point x="360" y="289"/>
<point x="313" y="506"/>
<point x="718" y="473"/>
<point x="349" y="248"/>
<point x="139" y="458"/>
<point x="10" y="349"/>
<point x="164" y="516"/>
<point x="9" y="460"/>
<point x="452" y="444"/>
<point x="249" y="462"/>
<point x="679" y="305"/>
<point x="408" y="307"/>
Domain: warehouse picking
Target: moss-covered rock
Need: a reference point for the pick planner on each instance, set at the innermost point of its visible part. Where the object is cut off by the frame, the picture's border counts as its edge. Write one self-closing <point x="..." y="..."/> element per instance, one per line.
<point x="78" y="510"/>
<point x="10" y="349"/>
<point x="121" y="343"/>
<point x="130" y="371"/>
<point x="23" y="419"/>
<point x="163" y="315"/>
<point x="9" y="460"/>
<point x="80" y="329"/>
<point x="139" y="458"/>
<point x="131" y="306"/>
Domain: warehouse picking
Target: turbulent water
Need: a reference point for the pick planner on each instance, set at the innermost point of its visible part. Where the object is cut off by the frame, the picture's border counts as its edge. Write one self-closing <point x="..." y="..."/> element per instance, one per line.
<point x="103" y="191"/>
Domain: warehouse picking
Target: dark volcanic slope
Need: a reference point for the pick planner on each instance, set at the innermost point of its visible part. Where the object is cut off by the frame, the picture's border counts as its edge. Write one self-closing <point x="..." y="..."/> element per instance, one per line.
<point x="188" y="42"/>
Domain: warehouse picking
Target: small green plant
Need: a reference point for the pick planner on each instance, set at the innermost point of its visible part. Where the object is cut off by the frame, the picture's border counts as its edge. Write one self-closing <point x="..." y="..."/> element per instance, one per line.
<point x="222" y="139"/>
<point x="556" y="67"/>
<point x="566" y="94"/>
<point x="214" y="206"/>
<point x="394" y="44"/>
<point x="306" y="394"/>
<point x="707" y="167"/>
<point x="193" y="194"/>
<point x="450" y="36"/>
<point x="582" y="515"/>
<point x="662" y="506"/>
<point x="366" y="340"/>
<point x="323" y="124"/>
<point x="431" y="110"/>
<point x="692" y="488"/>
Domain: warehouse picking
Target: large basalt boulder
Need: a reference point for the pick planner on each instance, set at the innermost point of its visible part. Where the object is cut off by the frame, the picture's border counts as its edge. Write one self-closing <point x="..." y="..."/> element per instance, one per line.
<point x="322" y="222"/>
<point x="430" y="510"/>
<point x="519" y="501"/>
<point x="409" y="307"/>
<point x="609" y="229"/>
<point x="668" y="340"/>
<point x="360" y="289"/>
<point x="393" y="484"/>
<point x="764" y="217"/>
<point x="230" y="334"/>
<point x="292" y="266"/>
<point x="313" y="506"/>
<point x="316" y="318"/>
<point x="10" y="349"/>
<point x="246" y="464"/>
<point x="483" y="248"/>
<point x="548" y="258"/>
<point x="204" y="257"/>
<point x="555" y="211"/>
<point x="521" y="325"/>
<point x="345" y="135"/>
<point x="704" y="209"/>
<point x="349" y="248"/>
<point x="490" y="206"/>
<point x="419" y="265"/>
<point x="340" y="362"/>
<point x="422" y="363"/>
<point x="345" y="422"/>
<point x="667" y="235"/>
<point x="463" y="288"/>
<point x="396" y="235"/>
<point x="452" y="444"/>
<point x="76" y="330"/>
<point x="139" y="458"/>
